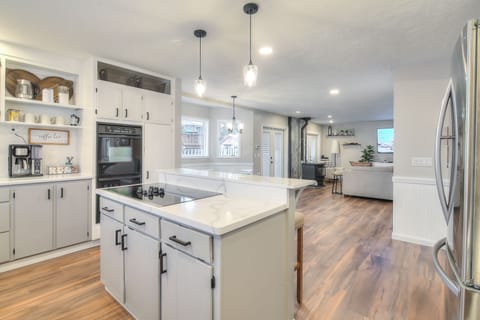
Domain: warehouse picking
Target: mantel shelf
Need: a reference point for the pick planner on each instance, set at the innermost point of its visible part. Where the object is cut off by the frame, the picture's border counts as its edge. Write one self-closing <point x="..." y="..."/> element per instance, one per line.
<point x="41" y="103"/>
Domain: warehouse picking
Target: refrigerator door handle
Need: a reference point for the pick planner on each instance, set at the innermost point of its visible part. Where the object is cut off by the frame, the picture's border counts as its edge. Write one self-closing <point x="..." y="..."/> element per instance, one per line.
<point x="451" y="284"/>
<point x="446" y="204"/>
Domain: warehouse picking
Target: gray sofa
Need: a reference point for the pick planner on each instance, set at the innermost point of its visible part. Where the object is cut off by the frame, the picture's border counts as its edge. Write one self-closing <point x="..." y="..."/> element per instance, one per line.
<point x="371" y="182"/>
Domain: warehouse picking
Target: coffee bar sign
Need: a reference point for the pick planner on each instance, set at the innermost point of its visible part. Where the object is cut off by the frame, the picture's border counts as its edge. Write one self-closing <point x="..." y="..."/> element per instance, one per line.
<point x="47" y="136"/>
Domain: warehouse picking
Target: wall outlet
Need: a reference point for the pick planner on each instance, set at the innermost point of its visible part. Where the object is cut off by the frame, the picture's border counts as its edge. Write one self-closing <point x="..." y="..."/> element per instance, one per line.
<point x="421" y="162"/>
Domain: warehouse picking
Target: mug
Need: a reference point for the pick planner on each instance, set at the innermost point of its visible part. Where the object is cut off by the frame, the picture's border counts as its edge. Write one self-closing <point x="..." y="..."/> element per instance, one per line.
<point x="45" y="119"/>
<point x="30" y="118"/>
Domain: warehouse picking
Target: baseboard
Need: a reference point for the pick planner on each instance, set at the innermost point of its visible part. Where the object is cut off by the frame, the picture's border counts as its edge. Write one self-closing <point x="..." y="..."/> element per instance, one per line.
<point x="414" y="240"/>
<point x="47" y="256"/>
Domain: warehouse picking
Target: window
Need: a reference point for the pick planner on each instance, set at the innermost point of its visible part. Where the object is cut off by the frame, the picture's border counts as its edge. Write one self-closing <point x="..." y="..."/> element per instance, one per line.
<point x="194" y="138"/>
<point x="228" y="143"/>
<point x="385" y="140"/>
<point x="312" y="147"/>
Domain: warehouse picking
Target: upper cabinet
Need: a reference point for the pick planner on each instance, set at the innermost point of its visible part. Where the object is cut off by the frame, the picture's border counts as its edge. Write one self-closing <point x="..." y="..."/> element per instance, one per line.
<point x="36" y="95"/>
<point x="127" y="95"/>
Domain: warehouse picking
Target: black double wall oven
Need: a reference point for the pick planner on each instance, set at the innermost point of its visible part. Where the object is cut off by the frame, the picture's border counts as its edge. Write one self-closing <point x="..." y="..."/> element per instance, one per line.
<point x="119" y="156"/>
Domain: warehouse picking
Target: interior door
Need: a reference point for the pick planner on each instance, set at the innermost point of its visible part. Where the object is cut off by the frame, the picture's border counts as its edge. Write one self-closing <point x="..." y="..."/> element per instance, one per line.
<point x="272" y="152"/>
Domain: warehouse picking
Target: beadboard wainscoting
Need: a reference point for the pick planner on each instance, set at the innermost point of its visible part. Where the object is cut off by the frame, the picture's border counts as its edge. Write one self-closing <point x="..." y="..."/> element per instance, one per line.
<point x="417" y="215"/>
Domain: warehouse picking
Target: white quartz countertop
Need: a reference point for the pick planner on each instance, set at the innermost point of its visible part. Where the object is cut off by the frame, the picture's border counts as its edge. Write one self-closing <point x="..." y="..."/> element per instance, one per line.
<point x="43" y="179"/>
<point x="216" y="215"/>
<point x="285" y="183"/>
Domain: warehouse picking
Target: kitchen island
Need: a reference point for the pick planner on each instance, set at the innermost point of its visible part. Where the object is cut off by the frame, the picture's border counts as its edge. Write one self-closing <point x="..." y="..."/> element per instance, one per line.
<point x="226" y="252"/>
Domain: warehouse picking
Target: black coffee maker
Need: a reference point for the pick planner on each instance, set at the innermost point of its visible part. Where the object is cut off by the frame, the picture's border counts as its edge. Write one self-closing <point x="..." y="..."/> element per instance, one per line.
<point x="24" y="160"/>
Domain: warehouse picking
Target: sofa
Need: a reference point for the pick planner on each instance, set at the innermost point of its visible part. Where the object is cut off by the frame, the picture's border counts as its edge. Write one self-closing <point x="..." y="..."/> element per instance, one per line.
<point x="371" y="182"/>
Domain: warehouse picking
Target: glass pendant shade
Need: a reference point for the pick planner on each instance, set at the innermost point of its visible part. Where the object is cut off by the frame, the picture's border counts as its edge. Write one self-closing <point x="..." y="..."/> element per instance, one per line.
<point x="234" y="127"/>
<point x="200" y="86"/>
<point x="250" y="72"/>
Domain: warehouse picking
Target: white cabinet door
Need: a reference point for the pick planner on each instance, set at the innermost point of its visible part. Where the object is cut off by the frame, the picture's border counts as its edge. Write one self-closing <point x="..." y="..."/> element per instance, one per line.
<point x="4" y="246"/>
<point x="111" y="257"/>
<point x="159" y="150"/>
<point x="33" y="216"/>
<point x="132" y="104"/>
<point x="159" y="108"/>
<point x="109" y="100"/>
<point x="73" y="210"/>
<point x="186" y="287"/>
<point x="142" y="276"/>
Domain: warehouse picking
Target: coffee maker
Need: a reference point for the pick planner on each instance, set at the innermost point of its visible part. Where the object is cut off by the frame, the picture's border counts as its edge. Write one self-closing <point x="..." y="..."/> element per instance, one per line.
<point x="24" y="160"/>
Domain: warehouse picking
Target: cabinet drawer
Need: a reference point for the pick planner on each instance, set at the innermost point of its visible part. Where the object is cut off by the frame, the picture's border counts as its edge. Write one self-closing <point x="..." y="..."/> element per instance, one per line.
<point x="193" y="242"/>
<point x="4" y="246"/>
<point x="4" y="216"/>
<point x="112" y="209"/>
<point x="142" y="221"/>
<point x="4" y="195"/>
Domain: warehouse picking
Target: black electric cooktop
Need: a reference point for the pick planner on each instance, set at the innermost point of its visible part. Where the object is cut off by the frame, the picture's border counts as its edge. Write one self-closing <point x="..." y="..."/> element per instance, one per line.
<point x="162" y="194"/>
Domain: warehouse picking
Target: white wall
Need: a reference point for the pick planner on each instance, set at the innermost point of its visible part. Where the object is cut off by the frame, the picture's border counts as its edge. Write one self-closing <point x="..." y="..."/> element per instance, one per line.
<point x="417" y="215"/>
<point x="365" y="134"/>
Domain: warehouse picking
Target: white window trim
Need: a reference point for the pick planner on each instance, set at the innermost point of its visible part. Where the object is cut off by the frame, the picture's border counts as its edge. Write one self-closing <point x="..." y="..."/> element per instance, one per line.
<point x="217" y="142"/>
<point x="207" y="139"/>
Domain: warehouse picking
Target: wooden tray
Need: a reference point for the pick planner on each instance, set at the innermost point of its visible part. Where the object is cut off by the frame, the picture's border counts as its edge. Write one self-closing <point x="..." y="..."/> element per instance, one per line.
<point x="14" y="74"/>
<point x="53" y="83"/>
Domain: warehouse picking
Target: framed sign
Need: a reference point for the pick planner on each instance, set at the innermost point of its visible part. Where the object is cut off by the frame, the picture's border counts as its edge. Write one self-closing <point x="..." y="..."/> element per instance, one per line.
<point x="48" y="136"/>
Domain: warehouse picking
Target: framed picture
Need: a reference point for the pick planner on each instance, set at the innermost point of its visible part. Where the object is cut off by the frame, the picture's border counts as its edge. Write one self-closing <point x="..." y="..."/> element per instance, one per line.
<point x="48" y="136"/>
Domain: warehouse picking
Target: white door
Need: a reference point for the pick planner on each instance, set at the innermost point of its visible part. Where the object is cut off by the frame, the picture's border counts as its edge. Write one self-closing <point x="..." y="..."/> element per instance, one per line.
<point x="186" y="287"/>
<point x="142" y="275"/>
<point x="33" y="219"/>
<point x="159" y="150"/>
<point x="159" y="108"/>
<point x="73" y="210"/>
<point x="109" y="100"/>
<point x="272" y="152"/>
<point x="312" y="145"/>
<point x="111" y="257"/>
<point x="132" y="104"/>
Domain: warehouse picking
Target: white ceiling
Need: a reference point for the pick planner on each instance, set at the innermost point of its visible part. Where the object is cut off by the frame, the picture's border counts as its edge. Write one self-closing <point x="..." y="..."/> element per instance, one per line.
<point x="318" y="44"/>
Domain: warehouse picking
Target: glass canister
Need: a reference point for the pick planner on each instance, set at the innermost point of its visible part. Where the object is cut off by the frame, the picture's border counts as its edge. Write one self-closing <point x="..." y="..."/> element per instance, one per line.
<point x="63" y="95"/>
<point x="23" y="89"/>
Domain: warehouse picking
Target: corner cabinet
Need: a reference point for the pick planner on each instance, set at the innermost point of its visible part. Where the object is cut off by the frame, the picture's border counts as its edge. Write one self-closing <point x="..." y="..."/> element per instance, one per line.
<point x="49" y="215"/>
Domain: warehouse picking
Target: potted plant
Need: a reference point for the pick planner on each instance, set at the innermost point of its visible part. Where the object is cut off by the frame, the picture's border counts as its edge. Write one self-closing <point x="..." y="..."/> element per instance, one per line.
<point x="367" y="157"/>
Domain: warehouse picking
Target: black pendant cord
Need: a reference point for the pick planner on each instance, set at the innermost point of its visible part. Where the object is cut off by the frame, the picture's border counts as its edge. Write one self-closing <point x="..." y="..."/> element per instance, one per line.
<point x="250" y="39"/>
<point x="200" y="60"/>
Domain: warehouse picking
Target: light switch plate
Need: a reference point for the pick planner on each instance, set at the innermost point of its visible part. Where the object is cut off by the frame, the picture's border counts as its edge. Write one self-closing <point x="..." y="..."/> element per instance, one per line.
<point x="421" y="162"/>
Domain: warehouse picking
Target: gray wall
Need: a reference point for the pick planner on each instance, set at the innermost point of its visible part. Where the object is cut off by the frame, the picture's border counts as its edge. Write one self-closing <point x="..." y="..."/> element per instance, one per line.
<point x="365" y="134"/>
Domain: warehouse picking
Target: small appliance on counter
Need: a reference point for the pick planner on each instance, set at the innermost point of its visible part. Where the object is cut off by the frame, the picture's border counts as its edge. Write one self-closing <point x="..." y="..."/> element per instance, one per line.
<point x="24" y="160"/>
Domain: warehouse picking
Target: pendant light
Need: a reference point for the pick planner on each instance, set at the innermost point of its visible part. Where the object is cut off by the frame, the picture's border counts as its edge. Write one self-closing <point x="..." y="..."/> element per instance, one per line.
<point x="200" y="84"/>
<point x="235" y="127"/>
<point x="250" y="71"/>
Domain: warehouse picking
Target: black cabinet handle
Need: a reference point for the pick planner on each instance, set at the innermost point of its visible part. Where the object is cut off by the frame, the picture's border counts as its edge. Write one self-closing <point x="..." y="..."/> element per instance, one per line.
<point x="148" y="115"/>
<point x="117" y="233"/>
<point x="148" y="174"/>
<point x="180" y="242"/>
<point x="138" y="223"/>
<point x="48" y="194"/>
<point x="161" y="263"/>
<point x="116" y="115"/>
<point x="107" y="209"/>
<point x="126" y="113"/>
<point x="61" y="192"/>
<point x="124" y="242"/>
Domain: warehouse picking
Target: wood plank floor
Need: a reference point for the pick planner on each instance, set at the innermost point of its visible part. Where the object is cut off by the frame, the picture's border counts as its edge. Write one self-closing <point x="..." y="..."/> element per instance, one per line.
<point x="353" y="270"/>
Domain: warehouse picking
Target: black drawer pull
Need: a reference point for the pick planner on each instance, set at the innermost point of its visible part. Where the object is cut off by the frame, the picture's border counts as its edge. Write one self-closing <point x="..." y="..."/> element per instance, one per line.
<point x="124" y="242"/>
<point x="180" y="242"/>
<point x="117" y="233"/>
<point x="107" y="209"/>
<point x="138" y="223"/>
<point x="161" y="263"/>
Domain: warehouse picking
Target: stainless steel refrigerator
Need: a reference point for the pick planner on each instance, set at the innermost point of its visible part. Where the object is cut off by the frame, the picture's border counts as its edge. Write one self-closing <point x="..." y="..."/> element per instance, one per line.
<point x="457" y="171"/>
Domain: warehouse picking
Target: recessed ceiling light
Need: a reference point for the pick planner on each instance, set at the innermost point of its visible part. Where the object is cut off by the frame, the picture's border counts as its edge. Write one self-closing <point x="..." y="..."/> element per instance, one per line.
<point x="265" y="51"/>
<point x="329" y="116"/>
<point x="334" y="92"/>
<point x="330" y="121"/>
<point x="298" y="112"/>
